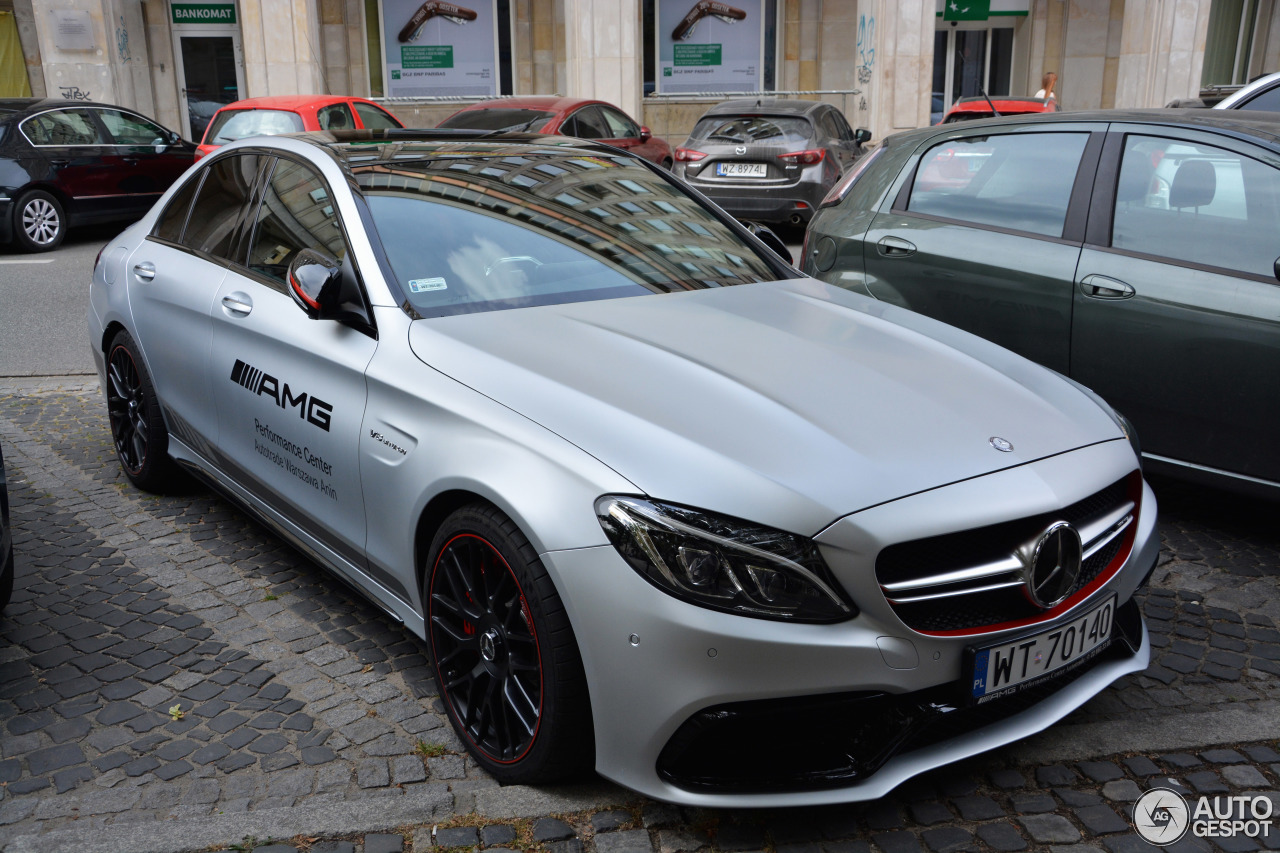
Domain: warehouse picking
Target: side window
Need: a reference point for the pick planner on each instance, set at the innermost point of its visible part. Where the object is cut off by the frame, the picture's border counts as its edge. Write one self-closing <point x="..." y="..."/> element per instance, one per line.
<point x="590" y="124"/>
<point x="1197" y="203"/>
<point x="1268" y="101"/>
<point x="1018" y="181"/>
<point x="842" y="126"/>
<point x="375" y="118"/>
<point x="220" y="204"/>
<point x="296" y="213"/>
<point x="126" y="129"/>
<point x="335" y="117"/>
<point x="170" y="224"/>
<point x="620" y="127"/>
<point x="63" y="127"/>
<point x="827" y="124"/>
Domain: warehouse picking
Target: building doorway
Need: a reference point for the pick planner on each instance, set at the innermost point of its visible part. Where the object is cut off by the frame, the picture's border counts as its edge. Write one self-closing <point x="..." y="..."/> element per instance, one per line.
<point x="969" y="59"/>
<point x="210" y="74"/>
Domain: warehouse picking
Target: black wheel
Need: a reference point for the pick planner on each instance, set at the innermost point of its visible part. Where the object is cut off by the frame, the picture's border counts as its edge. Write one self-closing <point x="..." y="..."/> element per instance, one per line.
<point x="137" y="426"/>
<point x="39" y="223"/>
<point x="505" y="657"/>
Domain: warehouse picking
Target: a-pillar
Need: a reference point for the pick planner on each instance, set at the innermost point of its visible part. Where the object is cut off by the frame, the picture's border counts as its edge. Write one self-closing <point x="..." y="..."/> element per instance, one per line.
<point x="1161" y="51"/>
<point x="601" y="51"/>
<point x="282" y="47"/>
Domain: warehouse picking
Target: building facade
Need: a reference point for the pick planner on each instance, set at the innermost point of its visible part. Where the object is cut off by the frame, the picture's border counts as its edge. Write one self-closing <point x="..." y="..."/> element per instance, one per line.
<point x="888" y="64"/>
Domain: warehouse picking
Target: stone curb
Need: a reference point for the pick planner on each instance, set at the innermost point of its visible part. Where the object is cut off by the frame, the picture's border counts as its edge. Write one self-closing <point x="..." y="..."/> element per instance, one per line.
<point x="425" y="803"/>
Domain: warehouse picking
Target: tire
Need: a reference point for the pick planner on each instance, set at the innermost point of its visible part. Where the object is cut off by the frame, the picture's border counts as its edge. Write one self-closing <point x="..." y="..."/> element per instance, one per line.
<point x="507" y="667"/>
<point x="137" y="425"/>
<point x="6" y="578"/>
<point x="39" y="223"/>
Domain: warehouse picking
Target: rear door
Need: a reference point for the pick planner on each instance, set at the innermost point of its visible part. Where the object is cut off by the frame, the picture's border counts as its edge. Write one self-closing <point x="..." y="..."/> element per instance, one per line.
<point x="1177" y="305"/>
<point x="173" y="277"/>
<point x="985" y="234"/>
<point x="290" y="391"/>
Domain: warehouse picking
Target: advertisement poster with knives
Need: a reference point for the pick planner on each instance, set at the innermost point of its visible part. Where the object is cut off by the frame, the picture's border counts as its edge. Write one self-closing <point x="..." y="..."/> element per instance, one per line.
<point x="710" y="46"/>
<point x="440" y="48"/>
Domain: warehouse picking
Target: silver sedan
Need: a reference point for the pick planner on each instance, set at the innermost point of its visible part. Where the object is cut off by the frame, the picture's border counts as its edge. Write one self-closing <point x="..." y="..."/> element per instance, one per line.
<point x="658" y="505"/>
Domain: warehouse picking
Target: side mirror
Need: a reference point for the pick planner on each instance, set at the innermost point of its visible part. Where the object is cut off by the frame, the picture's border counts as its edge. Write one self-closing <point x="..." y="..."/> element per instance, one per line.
<point x="773" y="241"/>
<point x="862" y="136"/>
<point x="315" y="283"/>
<point x="645" y="134"/>
<point x="160" y="144"/>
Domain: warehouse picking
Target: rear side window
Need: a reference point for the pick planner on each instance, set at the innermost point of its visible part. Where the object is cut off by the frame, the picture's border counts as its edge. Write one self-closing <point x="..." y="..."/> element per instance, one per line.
<point x="220" y="203"/>
<point x="335" y="117"/>
<point x="63" y="127"/>
<point x="230" y="125"/>
<point x="1017" y="181"/>
<point x="170" y="224"/>
<point x="296" y="213"/>
<point x="375" y="118"/>
<point x="1197" y="203"/>
<point x="588" y="124"/>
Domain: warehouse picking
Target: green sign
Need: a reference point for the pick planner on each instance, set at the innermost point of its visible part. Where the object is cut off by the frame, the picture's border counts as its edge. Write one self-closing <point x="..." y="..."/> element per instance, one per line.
<point x="966" y="10"/>
<point x="427" y="56"/>
<point x="204" y="13"/>
<point x="697" y="54"/>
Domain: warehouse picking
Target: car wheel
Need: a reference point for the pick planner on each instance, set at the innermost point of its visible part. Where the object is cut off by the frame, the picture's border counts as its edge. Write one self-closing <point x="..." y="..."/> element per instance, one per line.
<point x="137" y="426"/>
<point x="504" y="655"/>
<point x="39" y="223"/>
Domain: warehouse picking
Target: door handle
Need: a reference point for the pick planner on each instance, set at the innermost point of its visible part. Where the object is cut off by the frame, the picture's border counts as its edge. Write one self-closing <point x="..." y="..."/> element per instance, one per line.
<point x="145" y="271"/>
<point x="1105" y="287"/>
<point x="238" y="303"/>
<point x="895" y="247"/>
<point x="60" y="162"/>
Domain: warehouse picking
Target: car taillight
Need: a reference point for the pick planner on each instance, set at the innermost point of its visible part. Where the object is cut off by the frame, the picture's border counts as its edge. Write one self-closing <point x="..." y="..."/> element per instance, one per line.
<point x="842" y="187"/>
<point x="685" y="155"/>
<point x="804" y="158"/>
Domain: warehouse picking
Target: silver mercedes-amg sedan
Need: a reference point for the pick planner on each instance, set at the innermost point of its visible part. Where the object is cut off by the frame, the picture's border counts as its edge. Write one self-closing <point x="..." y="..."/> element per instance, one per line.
<point x="658" y="504"/>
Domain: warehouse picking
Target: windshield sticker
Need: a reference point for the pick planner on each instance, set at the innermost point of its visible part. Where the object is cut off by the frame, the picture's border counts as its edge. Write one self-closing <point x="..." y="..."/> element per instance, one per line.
<point x="424" y="285"/>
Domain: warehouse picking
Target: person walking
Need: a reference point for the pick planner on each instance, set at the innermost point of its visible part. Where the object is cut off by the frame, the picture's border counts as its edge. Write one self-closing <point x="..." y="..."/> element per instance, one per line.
<point x="1047" y="82"/>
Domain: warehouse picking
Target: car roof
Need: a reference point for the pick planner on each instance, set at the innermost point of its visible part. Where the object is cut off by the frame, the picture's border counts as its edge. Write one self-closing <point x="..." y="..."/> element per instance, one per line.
<point x="288" y="102"/>
<point x="551" y="103"/>
<point x="980" y="104"/>
<point x="1258" y="126"/>
<point x="33" y="105"/>
<point x="765" y="106"/>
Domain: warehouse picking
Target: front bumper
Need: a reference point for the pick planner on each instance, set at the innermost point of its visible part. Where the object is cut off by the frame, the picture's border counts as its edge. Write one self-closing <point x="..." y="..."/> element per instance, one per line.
<point x="654" y="663"/>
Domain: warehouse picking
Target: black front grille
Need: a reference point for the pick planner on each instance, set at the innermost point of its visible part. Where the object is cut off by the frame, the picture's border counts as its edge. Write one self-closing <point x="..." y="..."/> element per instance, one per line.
<point x="925" y="558"/>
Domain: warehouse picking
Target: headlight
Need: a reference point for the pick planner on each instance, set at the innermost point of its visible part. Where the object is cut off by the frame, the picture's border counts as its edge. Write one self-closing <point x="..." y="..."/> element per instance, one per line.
<point x="723" y="563"/>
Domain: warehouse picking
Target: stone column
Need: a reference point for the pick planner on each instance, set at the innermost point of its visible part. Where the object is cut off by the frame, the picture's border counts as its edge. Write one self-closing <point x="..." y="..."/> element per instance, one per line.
<point x="281" y="41"/>
<point x="894" y="56"/>
<point x="1161" y="51"/>
<point x="602" y="51"/>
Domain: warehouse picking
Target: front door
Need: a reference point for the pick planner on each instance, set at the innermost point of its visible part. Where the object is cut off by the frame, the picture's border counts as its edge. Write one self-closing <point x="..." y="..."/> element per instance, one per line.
<point x="290" y="391"/>
<point x="211" y="68"/>
<point x="980" y="237"/>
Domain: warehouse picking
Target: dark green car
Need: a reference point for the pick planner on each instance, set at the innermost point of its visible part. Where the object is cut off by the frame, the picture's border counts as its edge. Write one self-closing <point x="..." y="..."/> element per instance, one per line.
<point x="1134" y="251"/>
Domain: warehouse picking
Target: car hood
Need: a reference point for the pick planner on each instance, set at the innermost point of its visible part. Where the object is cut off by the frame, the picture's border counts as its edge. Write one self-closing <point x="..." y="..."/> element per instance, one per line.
<point x="788" y="403"/>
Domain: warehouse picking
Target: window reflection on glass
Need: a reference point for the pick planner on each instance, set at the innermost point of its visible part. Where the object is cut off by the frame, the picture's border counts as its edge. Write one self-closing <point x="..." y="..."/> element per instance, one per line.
<point x="527" y="238"/>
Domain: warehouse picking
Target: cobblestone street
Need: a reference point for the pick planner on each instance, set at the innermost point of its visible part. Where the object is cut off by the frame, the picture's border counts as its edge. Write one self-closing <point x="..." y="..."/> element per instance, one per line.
<point x="173" y="676"/>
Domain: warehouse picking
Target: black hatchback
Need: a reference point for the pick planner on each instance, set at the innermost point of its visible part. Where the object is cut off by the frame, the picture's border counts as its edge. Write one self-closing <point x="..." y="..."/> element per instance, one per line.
<point x="769" y="159"/>
<point x="64" y="164"/>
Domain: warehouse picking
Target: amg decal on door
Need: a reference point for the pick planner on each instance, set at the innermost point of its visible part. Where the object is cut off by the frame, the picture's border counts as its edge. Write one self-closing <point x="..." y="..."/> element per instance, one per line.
<point x="310" y="408"/>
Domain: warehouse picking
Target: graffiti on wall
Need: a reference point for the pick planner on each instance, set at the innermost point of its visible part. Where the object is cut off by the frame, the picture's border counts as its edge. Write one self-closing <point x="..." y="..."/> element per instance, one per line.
<point x="866" y="54"/>
<point x="75" y="93"/>
<point x="122" y="41"/>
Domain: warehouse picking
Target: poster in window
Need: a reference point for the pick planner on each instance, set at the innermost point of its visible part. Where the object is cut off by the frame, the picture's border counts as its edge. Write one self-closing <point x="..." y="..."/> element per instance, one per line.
<point x="435" y="47"/>
<point x="710" y="45"/>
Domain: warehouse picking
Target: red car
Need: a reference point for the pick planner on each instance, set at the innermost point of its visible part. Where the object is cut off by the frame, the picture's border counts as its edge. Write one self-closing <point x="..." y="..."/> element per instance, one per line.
<point x="968" y="109"/>
<point x="584" y="119"/>
<point x="291" y="114"/>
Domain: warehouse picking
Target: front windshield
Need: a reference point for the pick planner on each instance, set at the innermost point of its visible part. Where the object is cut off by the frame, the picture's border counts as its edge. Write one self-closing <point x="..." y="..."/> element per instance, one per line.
<point x="231" y="125"/>
<point x="532" y="121"/>
<point x="467" y="231"/>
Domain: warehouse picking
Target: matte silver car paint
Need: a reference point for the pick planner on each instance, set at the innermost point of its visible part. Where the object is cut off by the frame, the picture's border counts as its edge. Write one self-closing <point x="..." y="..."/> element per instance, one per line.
<point x="710" y="399"/>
